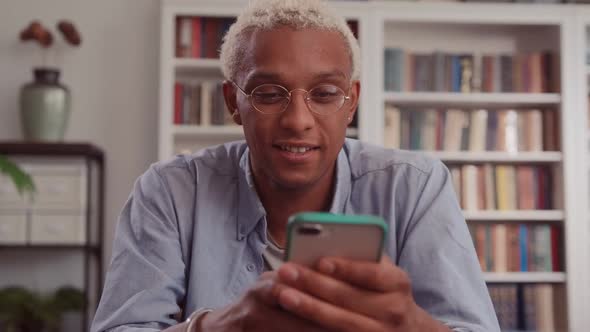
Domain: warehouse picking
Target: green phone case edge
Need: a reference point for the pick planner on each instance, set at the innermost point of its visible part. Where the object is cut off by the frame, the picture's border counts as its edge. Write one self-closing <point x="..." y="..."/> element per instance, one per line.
<point x="332" y="218"/>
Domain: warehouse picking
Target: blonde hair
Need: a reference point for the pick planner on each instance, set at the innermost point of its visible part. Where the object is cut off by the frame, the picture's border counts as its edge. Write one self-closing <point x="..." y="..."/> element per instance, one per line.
<point x="269" y="14"/>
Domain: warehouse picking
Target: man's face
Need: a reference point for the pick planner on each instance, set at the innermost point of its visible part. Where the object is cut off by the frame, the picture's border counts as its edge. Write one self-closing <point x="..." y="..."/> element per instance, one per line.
<point x="295" y="59"/>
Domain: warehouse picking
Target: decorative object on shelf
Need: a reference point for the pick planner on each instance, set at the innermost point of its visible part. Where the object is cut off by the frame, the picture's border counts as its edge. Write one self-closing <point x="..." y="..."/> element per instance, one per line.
<point x="22" y="310"/>
<point x="22" y="181"/>
<point x="45" y="102"/>
<point x="70" y="302"/>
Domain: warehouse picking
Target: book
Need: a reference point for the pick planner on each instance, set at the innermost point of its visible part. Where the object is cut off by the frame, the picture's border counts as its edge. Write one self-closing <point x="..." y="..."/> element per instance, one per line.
<point x="196" y="37"/>
<point x="392" y="127"/>
<point x="206" y="103"/>
<point x="501" y="248"/>
<point x="457" y="183"/>
<point x="477" y="131"/>
<point x="511" y="131"/>
<point x="184" y="36"/>
<point x="490" y="187"/>
<point x="178" y="103"/>
<point x="469" y="187"/>
<point x="525" y="178"/>
<point x="429" y="129"/>
<point x="455" y="120"/>
<point x="544" y="307"/>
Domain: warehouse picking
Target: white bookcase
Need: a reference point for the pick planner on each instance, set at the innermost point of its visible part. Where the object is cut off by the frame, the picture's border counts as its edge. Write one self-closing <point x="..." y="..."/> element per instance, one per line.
<point x="450" y="27"/>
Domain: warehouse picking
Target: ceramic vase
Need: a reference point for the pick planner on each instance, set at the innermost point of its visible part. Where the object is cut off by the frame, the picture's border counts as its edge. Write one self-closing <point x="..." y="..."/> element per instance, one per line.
<point x="44" y="107"/>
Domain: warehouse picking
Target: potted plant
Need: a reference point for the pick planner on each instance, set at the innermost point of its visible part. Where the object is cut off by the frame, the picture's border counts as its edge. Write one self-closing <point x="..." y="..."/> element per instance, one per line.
<point x="22" y="310"/>
<point x="45" y="102"/>
<point x="22" y="181"/>
<point x="70" y="303"/>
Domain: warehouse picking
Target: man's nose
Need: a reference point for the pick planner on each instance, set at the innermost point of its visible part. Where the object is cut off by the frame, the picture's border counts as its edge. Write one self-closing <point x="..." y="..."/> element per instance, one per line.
<point x="297" y="117"/>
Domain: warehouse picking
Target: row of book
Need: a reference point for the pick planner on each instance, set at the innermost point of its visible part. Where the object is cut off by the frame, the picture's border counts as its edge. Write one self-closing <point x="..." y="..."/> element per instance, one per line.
<point x="503" y="187"/>
<point x="507" y="130"/>
<point x="200" y="103"/>
<point x="529" y="307"/>
<point x="517" y="247"/>
<point x="200" y="37"/>
<point x="446" y="72"/>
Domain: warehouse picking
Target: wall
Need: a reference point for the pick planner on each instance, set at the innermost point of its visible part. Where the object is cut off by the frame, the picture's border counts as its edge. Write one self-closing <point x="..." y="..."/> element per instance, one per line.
<point x="113" y="78"/>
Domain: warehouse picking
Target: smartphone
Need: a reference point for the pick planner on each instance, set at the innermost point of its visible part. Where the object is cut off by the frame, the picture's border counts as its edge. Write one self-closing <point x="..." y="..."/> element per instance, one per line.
<point x="313" y="235"/>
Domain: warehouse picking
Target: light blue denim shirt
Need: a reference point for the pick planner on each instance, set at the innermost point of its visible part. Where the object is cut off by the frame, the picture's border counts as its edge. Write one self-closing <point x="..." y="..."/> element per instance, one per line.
<point x="193" y="231"/>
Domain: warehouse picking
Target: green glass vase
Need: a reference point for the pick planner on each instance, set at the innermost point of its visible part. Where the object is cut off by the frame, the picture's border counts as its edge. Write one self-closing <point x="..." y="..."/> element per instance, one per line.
<point x="44" y="107"/>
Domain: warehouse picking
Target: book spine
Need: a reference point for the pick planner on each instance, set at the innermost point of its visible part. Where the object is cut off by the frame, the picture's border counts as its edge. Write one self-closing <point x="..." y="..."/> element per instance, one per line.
<point x="523" y="248"/>
<point x="177" y="119"/>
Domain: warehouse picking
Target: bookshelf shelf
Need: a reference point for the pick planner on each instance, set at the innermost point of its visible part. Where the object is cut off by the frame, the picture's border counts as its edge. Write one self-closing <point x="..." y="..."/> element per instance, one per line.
<point x="197" y="63"/>
<point x="525" y="277"/>
<point x="515" y="215"/>
<point x="497" y="157"/>
<point x="204" y="67"/>
<point x="468" y="99"/>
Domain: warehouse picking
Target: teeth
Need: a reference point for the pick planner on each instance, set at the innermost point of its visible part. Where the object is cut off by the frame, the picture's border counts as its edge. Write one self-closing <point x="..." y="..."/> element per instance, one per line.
<point x="295" y="149"/>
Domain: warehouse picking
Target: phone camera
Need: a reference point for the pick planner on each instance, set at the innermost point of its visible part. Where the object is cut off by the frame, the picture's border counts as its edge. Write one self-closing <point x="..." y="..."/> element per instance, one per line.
<point x="310" y="230"/>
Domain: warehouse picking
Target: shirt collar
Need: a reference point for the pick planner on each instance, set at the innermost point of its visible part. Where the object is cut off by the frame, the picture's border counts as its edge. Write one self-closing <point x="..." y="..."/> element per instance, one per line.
<point x="250" y="209"/>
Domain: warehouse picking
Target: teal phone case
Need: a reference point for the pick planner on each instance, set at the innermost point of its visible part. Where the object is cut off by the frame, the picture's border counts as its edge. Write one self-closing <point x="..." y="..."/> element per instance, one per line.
<point x="359" y="222"/>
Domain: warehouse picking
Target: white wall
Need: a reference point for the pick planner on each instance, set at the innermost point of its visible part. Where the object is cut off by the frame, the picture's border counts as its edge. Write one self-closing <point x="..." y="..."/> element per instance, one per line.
<point x="113" y="78"/>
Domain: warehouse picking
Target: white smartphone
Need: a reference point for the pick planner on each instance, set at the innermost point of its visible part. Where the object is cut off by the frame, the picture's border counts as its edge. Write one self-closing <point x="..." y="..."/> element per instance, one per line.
<point x="313" y="235"/>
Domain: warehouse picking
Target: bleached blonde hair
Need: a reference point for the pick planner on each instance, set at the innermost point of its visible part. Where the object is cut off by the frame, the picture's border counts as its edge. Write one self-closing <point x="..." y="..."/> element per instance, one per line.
<point x="269" y="14"/>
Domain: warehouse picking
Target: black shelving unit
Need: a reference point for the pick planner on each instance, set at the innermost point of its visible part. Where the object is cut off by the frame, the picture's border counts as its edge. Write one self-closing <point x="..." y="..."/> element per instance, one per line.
<point x="95" y="193"/>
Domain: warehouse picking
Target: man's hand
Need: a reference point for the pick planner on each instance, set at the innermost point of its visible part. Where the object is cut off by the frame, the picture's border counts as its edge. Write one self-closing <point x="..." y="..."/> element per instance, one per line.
<point x="344" y="295"/>
<point x="257" y="310"/>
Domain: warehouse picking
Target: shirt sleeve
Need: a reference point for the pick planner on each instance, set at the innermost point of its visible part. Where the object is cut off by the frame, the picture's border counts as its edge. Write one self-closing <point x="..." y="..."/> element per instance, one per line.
<point x="438" y="254"/>
<point x="145" y="283"/>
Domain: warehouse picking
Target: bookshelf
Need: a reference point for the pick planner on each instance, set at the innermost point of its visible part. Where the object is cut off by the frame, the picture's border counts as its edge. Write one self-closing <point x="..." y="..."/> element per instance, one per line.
<point x="454" y="28"/>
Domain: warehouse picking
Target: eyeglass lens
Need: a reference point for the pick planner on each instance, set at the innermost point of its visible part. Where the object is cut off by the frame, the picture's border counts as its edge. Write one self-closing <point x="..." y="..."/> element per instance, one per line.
<point x="323" y="99"/>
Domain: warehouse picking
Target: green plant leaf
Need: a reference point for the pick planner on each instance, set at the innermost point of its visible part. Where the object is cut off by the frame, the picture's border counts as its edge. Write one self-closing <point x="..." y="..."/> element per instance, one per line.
<point x="69" y="299"/>
<point x="22" y="181"/>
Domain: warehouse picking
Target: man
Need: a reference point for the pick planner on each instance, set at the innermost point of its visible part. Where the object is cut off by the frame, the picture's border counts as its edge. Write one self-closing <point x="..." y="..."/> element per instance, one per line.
<point x="200" y="231"/>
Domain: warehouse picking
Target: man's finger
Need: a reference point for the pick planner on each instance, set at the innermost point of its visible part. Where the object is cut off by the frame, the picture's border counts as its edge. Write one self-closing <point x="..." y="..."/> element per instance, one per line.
<point x="267" y="290"/>
<point x="381" y="277"/>
<point x="325" y="314"/>
<point x="276" y="319"/>
<point x="326" y="288"/>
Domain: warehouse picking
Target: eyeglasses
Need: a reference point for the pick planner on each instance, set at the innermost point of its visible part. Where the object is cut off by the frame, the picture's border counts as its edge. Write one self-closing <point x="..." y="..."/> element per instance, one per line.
<point x="274" y="99"/>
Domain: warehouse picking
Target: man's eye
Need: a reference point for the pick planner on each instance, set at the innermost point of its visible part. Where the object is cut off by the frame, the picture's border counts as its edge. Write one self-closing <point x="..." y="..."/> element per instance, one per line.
<point x="268" y="97"/>
<point x="325" y="94"/>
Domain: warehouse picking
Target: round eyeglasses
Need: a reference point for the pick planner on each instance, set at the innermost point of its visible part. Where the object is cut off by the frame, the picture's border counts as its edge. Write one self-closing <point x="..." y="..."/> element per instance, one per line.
<point x="273" y="99"/>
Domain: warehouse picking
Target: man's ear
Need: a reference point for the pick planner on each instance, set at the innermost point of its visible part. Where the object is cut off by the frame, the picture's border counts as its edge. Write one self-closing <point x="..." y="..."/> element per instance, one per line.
<point x="229" y="94"/>
<point x="355" y="92"/>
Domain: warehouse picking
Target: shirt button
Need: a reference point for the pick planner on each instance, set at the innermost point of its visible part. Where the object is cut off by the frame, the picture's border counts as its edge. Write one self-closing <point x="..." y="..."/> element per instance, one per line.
<point x="250" y="267"/>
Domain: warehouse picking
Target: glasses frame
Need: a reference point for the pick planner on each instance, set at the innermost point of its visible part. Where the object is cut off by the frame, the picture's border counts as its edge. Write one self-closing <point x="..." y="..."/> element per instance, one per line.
<point x="290" y="98"/>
